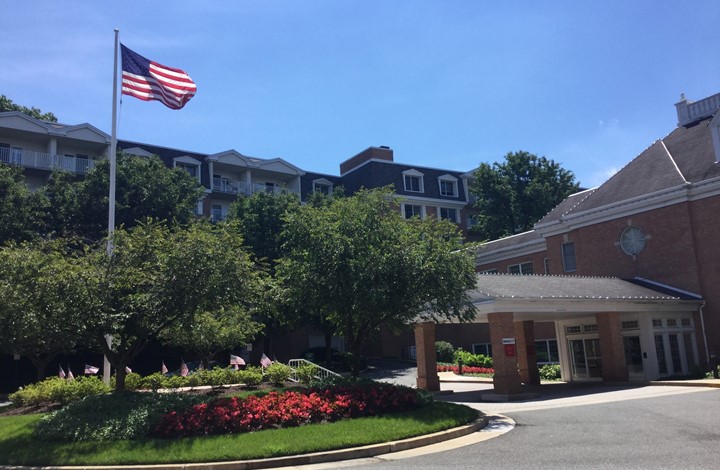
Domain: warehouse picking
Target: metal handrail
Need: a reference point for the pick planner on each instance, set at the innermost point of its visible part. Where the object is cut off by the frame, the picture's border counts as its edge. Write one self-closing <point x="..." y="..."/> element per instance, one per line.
<point x="321" y="373"/>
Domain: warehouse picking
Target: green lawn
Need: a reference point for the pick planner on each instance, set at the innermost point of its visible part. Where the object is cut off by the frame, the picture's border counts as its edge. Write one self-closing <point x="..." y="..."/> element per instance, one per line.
<point x="17" y="446"/>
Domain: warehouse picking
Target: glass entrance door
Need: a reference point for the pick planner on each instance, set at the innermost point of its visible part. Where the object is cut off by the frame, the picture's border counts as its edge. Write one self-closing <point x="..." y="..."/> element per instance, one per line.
<point x="585" y="358"/>
<point x="633" y="357"/>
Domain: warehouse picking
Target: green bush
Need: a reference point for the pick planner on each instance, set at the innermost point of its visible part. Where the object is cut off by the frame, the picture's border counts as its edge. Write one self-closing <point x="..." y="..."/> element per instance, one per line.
<point x="470" y="359"/>
<point x="251" y="377"/>
<point x="174" y="381"/>
<point x="550" y="372"/>
<point x="444" y="351"/>
<point x="57" y="390"/>
<point x="133" y="380"/>
<point x="306" y="373"/>
<point x="115" y="416"/>
<point x="153" y="382"/>
<point x="277" y="373"/>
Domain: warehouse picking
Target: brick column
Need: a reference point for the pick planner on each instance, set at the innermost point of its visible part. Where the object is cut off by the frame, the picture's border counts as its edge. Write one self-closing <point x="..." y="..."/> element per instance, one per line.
<point x="527" y="359"/>
<point x="506" y="380"/>
<point x="614" y="368"/>
<point x="427" y="377"/>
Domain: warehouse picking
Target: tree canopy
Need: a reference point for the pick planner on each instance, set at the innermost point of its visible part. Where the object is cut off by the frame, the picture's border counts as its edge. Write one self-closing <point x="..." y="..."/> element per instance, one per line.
<point x="359" y="264"/>
<point x="512" y="196"/>
<point x="22" y="212"/>
<point x="6" y="104"/>
<point x="157" y="278"/>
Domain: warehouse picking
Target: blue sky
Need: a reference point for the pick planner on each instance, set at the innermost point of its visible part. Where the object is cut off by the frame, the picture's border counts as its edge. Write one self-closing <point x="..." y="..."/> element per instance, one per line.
<point x="446" y="84"/>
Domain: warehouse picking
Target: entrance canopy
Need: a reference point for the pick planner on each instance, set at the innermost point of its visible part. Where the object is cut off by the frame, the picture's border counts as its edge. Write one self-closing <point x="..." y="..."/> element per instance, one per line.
<point x="551" y="298"/>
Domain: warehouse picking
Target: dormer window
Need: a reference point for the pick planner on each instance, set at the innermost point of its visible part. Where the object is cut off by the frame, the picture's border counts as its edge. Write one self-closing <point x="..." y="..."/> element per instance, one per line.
<point x="413" y="181"/>
<point x="448" y="186"/>
<point x="188" y="164"/>
<point x="322" y="186"/>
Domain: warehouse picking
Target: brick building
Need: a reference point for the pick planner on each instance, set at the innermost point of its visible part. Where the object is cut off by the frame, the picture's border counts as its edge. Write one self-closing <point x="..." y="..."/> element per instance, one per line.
<point x="625" y="272"/>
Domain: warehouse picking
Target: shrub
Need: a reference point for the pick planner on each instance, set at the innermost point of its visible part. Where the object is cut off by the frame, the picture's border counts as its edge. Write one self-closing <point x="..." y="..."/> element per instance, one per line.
<point x="251" y="377"/>
<point x="469" y="370"/>
<point x="444" y="351"/>
<point x="470" y="359"/>
<point x="116" y="416"/>
<point x="278" y="373"/>
<point x="133" y="381"/>
<point x="153" y="382"/>
<point x="57" y="390"/>
<point x="550" y="372"/>
<point x="306" y="373"/>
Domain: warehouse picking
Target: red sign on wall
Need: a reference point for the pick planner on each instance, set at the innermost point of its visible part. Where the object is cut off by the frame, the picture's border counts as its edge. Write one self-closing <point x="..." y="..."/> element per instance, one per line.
<point x="509" y="346"/>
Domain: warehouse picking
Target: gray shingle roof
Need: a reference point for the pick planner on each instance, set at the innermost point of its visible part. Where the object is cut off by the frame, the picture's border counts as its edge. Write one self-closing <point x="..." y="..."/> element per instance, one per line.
<point x="497" y="286"/>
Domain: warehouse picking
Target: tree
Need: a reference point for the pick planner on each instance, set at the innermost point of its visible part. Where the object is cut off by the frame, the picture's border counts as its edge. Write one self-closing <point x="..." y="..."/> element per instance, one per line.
<point x="157" y="278"/>
<point x="144" y="187"/>
<point x="359" y="263"/>
<point x="211" y="332"/>
<point x="514" y="195"/>
<point x="6" y="104"/>
<point x="21" y="210"/>
<point x="38" y="318"/>
<point x="260" y="220"/>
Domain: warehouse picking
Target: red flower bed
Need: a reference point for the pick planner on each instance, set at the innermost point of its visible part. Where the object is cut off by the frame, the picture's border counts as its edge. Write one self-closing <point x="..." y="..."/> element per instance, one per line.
<point x="466" y="369"/>
<point x="294" y="408"/>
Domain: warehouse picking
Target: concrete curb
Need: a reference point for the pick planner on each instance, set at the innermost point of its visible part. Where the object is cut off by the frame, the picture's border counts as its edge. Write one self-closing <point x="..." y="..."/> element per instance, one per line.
<point x="369" y="451"/>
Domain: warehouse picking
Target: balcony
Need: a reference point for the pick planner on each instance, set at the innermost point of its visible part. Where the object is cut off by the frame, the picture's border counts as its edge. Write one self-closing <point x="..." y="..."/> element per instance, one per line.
<point x="45" y="161"/>
<point x="230" y="186"/>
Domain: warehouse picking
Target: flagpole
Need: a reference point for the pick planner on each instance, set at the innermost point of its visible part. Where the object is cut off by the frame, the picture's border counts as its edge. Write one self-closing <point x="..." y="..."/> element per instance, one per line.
<point x="111" y="198"/>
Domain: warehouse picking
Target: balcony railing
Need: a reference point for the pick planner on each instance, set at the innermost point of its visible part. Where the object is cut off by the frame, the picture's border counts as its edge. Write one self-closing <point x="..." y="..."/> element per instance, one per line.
<point x="45" y="161"/>
<point x="230" y="186"/>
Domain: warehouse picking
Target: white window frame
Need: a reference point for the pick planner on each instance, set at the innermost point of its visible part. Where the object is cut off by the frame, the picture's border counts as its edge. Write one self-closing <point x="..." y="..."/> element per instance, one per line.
<point x="413" y="174"/>
<point x="547" y="350"/>
<point x="322" y="182"/>
<point x="521" y="267"/>
<point x="566" y="268"/>
<point x="453" y="182"/>
<point x="482" y="348"/>
<point x="188" y="161"/>
<point x="456" y="217"/>
<point x="405" y="205"/>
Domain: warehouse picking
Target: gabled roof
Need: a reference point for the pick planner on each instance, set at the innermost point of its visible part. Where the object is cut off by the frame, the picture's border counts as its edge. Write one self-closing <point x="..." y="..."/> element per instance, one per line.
<point x="23" y="122"/>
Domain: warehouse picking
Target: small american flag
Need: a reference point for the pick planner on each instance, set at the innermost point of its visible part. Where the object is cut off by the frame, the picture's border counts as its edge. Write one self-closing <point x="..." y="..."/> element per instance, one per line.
<point x="70" y="375"/>
<point x="184" y="369"/>
<point x="61" y="372"/>
<point x="91" y="370"/>
<point x="265" y="361"/>
<point x="164" y="369"/>
<point x="128" y="370"/>
<point x="147" y="80"/>
<point x="236" y="360"/>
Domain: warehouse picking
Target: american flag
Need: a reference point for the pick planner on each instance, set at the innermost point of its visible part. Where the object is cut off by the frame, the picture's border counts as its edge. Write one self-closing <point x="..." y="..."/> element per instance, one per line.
<point x="236" y="361"/>
<point x="91" y="370"/>
<point x="70" y="375"/>
<point x="61" y="372"/>
<point x="265" y="361"/>
<point x="163" y="369"/>
<point x="147" y="80"/>
<point x="128" y="370"/>
<point x="184" y="369"/>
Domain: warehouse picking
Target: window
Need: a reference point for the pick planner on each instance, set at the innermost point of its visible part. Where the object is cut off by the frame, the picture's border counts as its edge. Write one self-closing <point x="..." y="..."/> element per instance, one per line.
<point x="269" y="187"/>
<point x="192" y="169"/>
<point x="546" y="351"/>
<point x="448" y="185"/>
<point x="522" y="268"/>
<point x="413" y="181"/>
<point x="590" y="328"/>
<point x="573" y="330"/>
<point x="482" y="348"/>
<point x="546" y="265"/>
<point x="568" y="255"/>
<point x="411" y="210"/>
<point x="448" y="213"/>
<point x="629" y="325"/>
<point x="219" y="212"/>
<point x="322" y="186"/>
<point x="471" y="221"/>
<point x="632" y="241"/>
<point x="490" y="271"/>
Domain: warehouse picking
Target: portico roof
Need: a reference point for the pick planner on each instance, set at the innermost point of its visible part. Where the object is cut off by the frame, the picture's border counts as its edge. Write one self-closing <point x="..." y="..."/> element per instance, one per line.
<point x="548" y="298"/>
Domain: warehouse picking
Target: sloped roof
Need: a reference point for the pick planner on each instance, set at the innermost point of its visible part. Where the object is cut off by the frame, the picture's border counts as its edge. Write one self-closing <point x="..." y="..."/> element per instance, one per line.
<point x="513" y="286"/>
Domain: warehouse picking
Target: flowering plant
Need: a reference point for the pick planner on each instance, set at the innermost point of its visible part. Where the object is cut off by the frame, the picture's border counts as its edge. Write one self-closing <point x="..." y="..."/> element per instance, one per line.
<point x="291" y="408"/>
<point x="466" y="369"/>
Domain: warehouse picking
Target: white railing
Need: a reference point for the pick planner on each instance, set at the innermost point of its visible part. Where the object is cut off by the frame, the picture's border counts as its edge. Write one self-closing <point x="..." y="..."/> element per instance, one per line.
<point x="229" y="186"/>
<point x="321" y="373"/>
<point x="704" y="107"/>
<point x="46" y="161"/>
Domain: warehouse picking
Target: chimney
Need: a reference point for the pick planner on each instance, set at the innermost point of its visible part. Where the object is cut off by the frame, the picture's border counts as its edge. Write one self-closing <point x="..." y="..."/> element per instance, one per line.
<point x="382" y="152"/>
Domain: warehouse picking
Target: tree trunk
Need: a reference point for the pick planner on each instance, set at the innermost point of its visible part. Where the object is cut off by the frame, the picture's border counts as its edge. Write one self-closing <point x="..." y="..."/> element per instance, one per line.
<point x="120" y="374"/>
